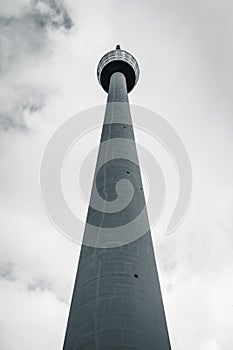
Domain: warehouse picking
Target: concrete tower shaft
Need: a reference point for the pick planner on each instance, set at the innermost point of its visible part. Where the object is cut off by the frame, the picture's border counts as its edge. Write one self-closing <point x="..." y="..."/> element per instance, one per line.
<point x="117" y="302"/>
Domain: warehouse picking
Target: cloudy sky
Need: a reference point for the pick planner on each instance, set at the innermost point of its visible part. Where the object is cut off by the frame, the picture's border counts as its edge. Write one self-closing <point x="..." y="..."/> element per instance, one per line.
<point x="49" y="50"/>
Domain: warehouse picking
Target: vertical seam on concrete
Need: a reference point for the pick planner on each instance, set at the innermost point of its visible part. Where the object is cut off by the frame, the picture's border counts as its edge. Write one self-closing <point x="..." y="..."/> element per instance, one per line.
<point x="97" y="305"/>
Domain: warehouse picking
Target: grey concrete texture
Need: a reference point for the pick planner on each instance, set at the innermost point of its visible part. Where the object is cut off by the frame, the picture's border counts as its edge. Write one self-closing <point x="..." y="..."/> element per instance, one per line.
<point x="117" y="301"/>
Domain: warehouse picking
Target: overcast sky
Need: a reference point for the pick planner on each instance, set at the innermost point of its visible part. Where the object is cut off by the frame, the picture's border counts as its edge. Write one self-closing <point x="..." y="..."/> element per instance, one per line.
<point x="49" y="50"/>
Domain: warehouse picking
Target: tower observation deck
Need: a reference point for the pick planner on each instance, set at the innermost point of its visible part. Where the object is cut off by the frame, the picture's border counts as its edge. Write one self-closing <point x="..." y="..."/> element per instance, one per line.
<point x="117" y="302"/>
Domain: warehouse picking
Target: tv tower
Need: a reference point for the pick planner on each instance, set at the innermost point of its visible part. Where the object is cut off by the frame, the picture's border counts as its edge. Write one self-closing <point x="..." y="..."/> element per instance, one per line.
<point x="117" y="302"/>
